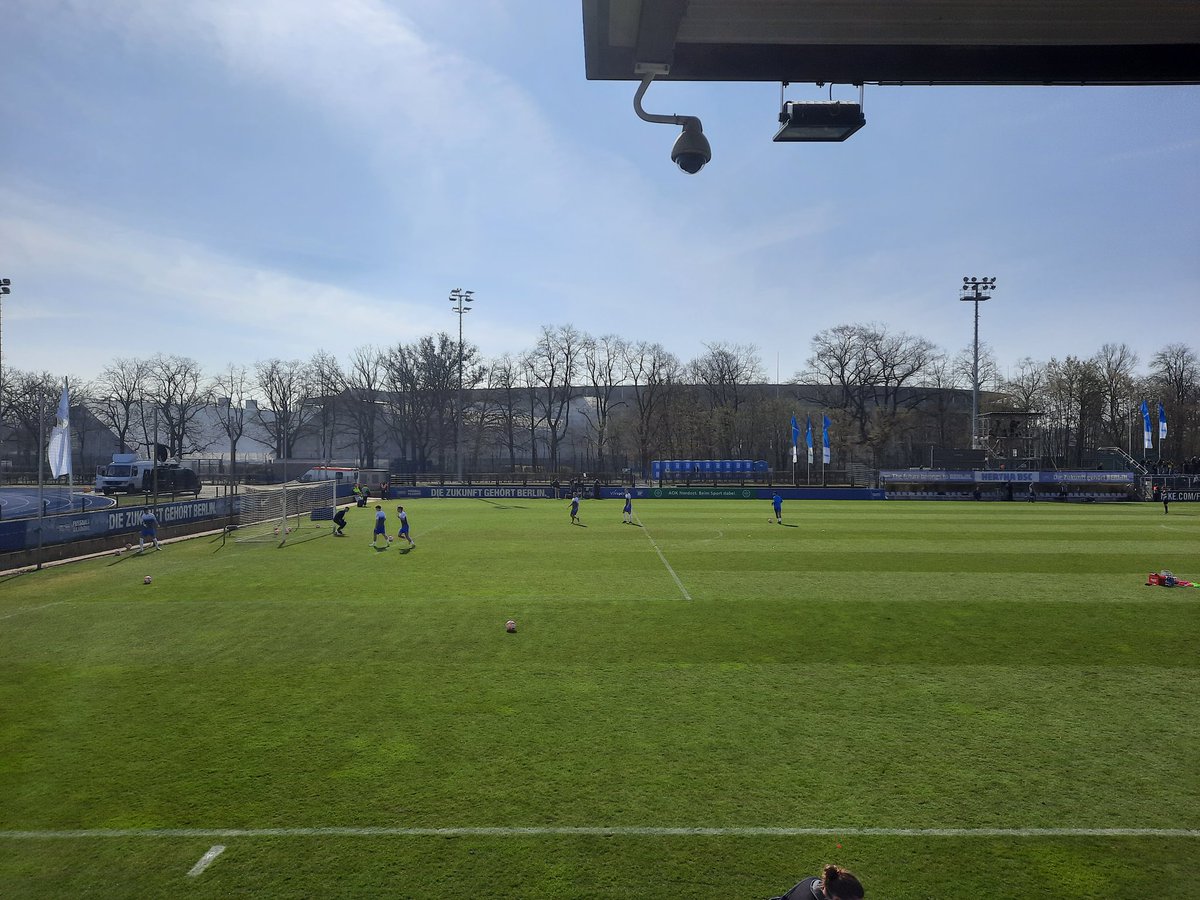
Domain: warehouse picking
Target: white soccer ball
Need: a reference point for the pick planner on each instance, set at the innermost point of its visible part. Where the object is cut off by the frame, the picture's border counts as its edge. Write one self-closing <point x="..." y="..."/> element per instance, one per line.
<point x="129" y="546"/>
<point x="390" y="539"/>
<point x="510" y="626"/>
<point x="147" y="580"/>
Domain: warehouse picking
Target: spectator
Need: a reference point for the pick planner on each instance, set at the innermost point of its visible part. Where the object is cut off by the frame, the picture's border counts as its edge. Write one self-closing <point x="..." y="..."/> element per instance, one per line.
<point x="834" y="883"/>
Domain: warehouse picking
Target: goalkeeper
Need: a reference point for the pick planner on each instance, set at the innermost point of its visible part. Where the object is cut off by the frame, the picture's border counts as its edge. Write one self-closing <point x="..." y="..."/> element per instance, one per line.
<point x="339" y="522"/>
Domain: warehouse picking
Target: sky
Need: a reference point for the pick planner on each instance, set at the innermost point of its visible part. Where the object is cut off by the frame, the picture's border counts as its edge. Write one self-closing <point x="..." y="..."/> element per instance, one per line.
<point x="234" y="181"/>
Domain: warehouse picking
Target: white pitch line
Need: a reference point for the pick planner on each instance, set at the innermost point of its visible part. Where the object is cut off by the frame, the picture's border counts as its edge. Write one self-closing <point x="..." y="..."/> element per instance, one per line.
<point x="202" y="864"/>
<point x="597" y="831"/>
<point x="686" y="595"/>
<point x="32" y="609"/>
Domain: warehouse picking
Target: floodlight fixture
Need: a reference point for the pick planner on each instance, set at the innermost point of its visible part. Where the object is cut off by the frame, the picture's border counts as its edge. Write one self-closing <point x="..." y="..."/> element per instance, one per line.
<point x="691" y="151"/>
<point x="819" y="121"/>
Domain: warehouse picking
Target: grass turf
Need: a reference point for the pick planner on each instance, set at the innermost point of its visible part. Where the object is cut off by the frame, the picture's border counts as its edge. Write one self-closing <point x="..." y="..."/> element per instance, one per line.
<point x="882" y="665"/>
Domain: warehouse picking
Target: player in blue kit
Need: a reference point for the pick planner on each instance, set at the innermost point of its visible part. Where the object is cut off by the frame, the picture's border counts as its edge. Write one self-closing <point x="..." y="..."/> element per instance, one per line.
<point x="380" y="527"/>
<point x="627" y="512"/>
<point x="403" y="532"/>
<point x="149" y="530"/>
<point x="777" y="505"/>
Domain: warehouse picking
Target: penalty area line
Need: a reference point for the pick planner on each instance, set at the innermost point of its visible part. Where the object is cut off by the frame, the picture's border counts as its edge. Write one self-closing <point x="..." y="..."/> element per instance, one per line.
<point x="206" y="859"/>
<point x="588" y="830"/>
<point x="683" y="590"/>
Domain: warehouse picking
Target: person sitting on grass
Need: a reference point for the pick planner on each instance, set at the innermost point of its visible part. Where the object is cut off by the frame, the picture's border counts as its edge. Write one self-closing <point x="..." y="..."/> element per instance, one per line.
<point x="834" y="883"/>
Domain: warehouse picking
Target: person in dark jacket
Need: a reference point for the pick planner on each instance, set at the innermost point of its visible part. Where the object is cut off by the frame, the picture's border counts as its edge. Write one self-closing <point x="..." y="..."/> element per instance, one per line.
<point x="834" y="883"/>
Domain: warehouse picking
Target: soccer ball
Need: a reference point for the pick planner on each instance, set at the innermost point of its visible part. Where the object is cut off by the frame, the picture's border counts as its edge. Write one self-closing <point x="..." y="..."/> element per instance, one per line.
<point x="117" y="552"/>
<point x="390" y="538"/>
<point x="129" y="546"/>
<point x="147" y="580"/>
<point x="510" y="626"/>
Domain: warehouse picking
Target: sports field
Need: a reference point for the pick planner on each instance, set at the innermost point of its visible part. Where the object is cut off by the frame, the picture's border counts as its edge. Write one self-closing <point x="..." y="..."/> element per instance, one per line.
<point x="953" y="700"/>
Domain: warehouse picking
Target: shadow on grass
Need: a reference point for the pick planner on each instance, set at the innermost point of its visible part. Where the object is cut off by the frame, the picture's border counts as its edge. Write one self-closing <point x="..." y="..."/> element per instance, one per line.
<point x="500" y="505"/>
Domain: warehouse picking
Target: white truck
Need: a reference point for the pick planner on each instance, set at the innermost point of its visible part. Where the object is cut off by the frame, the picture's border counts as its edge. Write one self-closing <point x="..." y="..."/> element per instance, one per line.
<point x="127" y="473"/>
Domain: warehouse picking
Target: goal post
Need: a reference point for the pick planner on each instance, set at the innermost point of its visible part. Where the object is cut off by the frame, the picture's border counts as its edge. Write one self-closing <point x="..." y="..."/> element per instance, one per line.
<point x="271" y="513"/>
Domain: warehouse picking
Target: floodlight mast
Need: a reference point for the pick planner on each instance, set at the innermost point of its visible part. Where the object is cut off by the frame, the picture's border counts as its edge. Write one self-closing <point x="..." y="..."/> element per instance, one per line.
<point x="976" y="290"/>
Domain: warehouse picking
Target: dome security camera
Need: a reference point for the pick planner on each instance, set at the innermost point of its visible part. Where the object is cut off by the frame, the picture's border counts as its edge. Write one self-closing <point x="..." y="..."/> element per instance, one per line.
<point x="691" y="151"/>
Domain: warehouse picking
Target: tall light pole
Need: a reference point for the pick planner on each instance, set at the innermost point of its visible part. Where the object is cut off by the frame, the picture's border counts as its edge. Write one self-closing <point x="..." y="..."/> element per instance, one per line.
<point x="5" y="288"/>
<point x="462" y="305"/>
<point x="976" y="290"/>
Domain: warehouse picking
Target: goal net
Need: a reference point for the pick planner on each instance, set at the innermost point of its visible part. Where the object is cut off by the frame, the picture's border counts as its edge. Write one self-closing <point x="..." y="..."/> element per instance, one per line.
<point x="278" y="512"/>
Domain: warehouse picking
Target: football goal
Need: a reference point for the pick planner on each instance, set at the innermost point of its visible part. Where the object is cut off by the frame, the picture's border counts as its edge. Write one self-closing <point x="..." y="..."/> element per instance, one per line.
<point x="279" y="511"/>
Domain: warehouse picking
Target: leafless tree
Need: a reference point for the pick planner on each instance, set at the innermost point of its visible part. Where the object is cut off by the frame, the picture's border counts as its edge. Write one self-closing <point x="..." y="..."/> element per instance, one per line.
<point x="118" y="397"/>
<point x="178" y="393"/>
<point x="32" y="403"/>
<point x="724" y="375"/>
<point x="1116" y="365"/>
<point x="1175" y="375"/>
<point x="553" y="365"/>
<point x="503" y="413"/>
<point x="286" y="388"/>
<point x="328" y="382"/>
<point x="230" y="390"/>
<point x="652" y="373"/>
<point x="602" y="358"/>
<point x="366" y="382"/>
<point x="1074" y="394"/>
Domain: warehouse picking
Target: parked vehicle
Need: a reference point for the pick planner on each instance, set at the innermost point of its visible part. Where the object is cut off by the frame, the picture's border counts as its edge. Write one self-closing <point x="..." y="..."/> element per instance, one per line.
<point x="126" y="473"/>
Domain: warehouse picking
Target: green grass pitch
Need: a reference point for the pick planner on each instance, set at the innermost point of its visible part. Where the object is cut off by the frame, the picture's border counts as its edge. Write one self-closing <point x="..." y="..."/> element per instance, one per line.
<point x="950" y="699"/>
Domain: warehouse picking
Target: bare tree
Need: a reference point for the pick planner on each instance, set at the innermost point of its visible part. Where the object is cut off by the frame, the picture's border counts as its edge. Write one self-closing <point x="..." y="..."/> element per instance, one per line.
<point x="422" y="381"/>
<point x="328" y="382"/>
<point x="502" y="413"/>
<point x="231" y="389"/>
<point x="32" y="403"/>
<point x="1175" y="374"/>
<point x="118" y="397"/>
<point x="652" y="373"/>
<point x="178" y="394"/>
<point x="366" y="378"/>
<point x="1116" y="366"/>
<point x="1074" y="395"/>
<point x="602" y="358"/>
<point x="286" y="387"/>
<point x="553" y="365"/>
<point x="724" y="373"/>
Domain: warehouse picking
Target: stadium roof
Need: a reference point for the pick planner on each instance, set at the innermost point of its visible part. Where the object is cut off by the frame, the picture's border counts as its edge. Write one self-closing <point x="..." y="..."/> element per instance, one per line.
<point x="980" y="42"/>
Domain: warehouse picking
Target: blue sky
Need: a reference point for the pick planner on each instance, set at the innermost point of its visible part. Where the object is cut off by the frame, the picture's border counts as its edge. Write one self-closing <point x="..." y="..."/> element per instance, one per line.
<point x="234" y="181"/>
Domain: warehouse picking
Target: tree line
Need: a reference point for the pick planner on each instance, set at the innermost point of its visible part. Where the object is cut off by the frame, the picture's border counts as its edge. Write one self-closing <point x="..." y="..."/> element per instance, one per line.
<point x="606" y="403"/>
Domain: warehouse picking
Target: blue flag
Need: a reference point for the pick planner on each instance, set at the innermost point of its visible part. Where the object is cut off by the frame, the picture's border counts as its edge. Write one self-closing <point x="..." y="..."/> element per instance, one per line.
<point x="796" y="430"/>
<point x="808" y="437"/>
<point x="1162" y="423"/>
<point x="825" y="440"/>
<point x="1147" y="443"/>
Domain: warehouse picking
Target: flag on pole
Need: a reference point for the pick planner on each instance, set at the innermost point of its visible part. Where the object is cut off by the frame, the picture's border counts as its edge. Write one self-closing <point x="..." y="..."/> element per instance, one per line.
<point x="1147" y="443"/>
<point x="825" y="440"/>
<point x="59" y="449"/>
<point x="808" y="437"/>
<point x="795" y="439"/>
<point x="1162" y="423"/>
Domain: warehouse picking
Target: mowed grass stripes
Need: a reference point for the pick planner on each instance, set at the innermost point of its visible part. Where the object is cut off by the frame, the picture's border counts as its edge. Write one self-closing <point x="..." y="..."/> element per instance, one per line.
<point x="882" y="665"/>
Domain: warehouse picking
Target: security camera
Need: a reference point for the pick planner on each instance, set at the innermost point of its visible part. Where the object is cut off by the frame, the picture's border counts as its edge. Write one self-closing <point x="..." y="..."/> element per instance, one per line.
<point x="691" y="150"/>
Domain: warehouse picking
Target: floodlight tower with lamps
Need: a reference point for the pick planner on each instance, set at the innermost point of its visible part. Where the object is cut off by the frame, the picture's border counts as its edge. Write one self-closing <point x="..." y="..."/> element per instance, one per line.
<point x="976" y="290"/>
<point x="5" y="288"/>
<point x="462" y="305"/>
